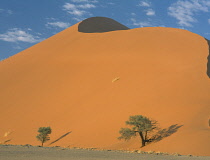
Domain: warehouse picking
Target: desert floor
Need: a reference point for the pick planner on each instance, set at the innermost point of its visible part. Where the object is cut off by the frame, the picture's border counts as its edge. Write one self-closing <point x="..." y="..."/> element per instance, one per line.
<point x="9" y="152"/>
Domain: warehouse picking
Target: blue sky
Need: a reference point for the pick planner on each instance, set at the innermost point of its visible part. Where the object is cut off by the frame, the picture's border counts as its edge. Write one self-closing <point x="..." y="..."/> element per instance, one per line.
<point x="24" y="23"/>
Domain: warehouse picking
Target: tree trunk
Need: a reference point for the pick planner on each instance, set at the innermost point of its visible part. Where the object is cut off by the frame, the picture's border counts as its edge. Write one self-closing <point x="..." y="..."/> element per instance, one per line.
<point x="42" y="143"/>
<point x="142" y="139"/>
<point x="145" y="137"/>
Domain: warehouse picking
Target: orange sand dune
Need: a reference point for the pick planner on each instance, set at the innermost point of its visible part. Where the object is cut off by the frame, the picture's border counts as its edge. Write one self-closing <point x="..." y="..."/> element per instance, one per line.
<point x="90" y="83"/>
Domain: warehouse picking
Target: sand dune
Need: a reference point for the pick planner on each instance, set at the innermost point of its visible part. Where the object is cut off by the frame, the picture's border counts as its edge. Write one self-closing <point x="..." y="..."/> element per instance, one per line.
<point x="66" y="82"/>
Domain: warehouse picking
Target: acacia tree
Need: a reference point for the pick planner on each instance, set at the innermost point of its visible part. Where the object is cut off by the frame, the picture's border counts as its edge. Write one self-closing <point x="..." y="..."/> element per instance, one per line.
<point x="43" y="135"/>
<point x="140" y="125"/>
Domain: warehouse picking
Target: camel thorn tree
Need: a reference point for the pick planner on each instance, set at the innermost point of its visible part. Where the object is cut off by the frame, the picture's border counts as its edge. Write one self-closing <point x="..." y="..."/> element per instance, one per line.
<point x="43" y="135"/>
<point x="140" y="125"/>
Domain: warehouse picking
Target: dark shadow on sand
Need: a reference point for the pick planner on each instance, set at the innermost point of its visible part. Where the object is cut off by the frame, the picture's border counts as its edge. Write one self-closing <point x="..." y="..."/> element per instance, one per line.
<point x="166" y="132"/>
<point x="61" y="137"/>
<point x="7" y="141"/>
<point x="208" y="63"/>
<point x="99" y="25"/>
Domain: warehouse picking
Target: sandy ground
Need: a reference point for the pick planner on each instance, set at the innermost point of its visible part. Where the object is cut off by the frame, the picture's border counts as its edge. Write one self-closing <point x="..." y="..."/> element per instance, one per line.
<point x="51" y="153"/>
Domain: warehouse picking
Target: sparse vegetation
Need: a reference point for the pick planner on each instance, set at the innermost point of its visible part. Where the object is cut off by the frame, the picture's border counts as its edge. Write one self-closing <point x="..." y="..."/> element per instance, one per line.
<point x="140" y="125"/>
<point x="43" y="135"/>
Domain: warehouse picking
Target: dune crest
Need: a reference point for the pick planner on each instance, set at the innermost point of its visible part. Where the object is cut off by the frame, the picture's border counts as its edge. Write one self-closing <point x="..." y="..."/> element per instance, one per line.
<point x="90" y="84"/>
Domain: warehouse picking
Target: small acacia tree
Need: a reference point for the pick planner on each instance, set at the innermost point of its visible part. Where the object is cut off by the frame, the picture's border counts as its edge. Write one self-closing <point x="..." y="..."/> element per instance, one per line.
<point x="43" y="135"/>
<point x="140" y="125"/>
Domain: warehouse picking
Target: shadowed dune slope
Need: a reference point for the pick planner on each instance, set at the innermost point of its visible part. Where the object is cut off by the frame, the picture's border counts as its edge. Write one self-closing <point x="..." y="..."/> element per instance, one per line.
<point x="89" y="84"/>
<point x="208" y="64"/>
<point x="99" y="25"/>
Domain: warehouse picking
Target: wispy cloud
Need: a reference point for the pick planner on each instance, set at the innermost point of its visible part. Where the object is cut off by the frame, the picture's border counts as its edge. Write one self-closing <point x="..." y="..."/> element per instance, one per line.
<point x="207" y="33"/>
<point x="72" y="9"/>
<point x="6" y="11"/>
<point x="111" y="3"/>
<point x="144" y="4"/>
<point x="78" y="9"/>
<point x="78" y="19"/>
<point x="18" y="35"/>
<point x="17" y="47"/>
<point x="186" y="10"/>
<point x="88" y="1"/>
<point x="133" y="14"/>
<point x="58" y="24"/>
<point x="140" y="23"/>
<point x="86" y="6"/>
<point x="150" y="12"/>
<point x="9" y="11"/>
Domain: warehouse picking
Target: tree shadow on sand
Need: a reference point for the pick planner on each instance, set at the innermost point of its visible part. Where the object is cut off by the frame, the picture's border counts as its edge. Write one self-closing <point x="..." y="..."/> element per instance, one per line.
<point x="61" y="137"/>
<point x="166" y="132"/>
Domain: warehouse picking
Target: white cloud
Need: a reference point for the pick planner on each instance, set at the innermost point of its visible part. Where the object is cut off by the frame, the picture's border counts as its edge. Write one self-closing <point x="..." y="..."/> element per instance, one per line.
<point x="78" y="19"/>
<point x="9" y="11"/>
<point x="144" y="4"/>
<point x="6" y="11"/>
<point x="209" y="21"/>
<point x="133" y="14"/>
<point x="207" y="33"/>
<point x="150" y="12"/>
<point x="17" y="47"/>
<point x="141" y="24"/>
<point x="111" y="3"/>
<point x="58" y="24"/>
<point x="86" y="6"/>
<point x="69" y="6"/>
<point x="78" y="10"/>
<point x="18" y="35"/>
<point x="51" y="18"/>
<point x="72" y="9"/>
<point x="185" y="11"/>
<point x="88" y="1"/>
